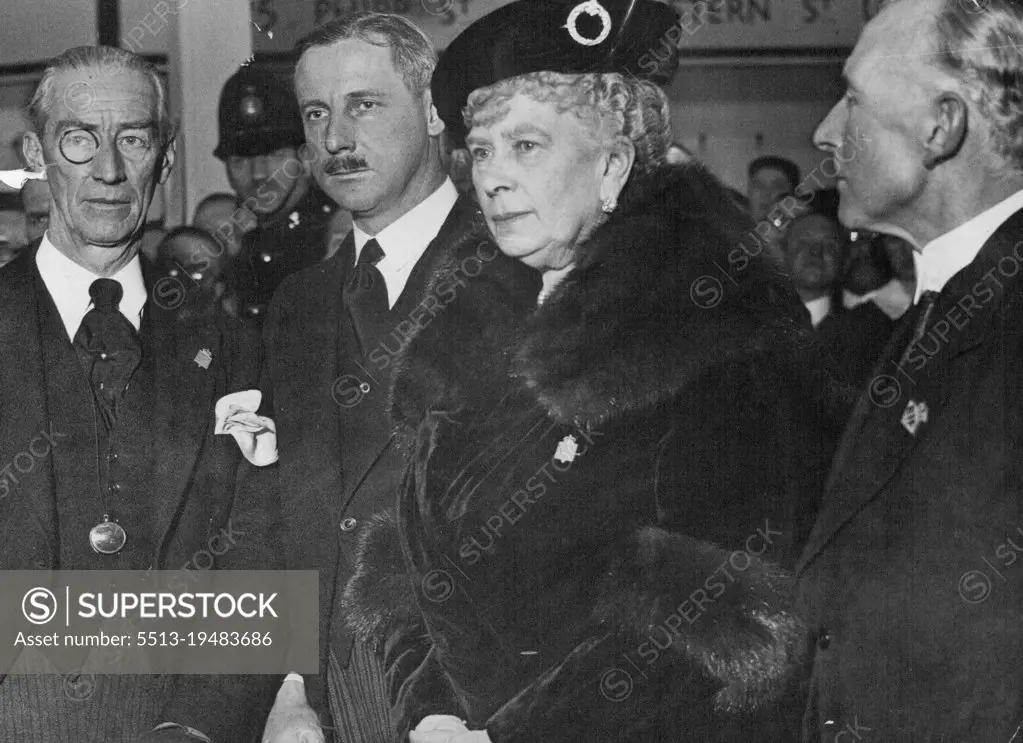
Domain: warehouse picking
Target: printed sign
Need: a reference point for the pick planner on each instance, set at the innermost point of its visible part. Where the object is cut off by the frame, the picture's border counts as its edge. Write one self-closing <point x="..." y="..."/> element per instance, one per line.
<point x="713" y="24"/>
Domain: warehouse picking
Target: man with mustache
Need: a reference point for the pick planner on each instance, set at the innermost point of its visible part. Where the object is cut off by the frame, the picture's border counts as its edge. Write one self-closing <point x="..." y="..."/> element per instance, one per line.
<point x="283" y="214"/>
<point x="332" y="332"/>
<point x="113" y="393"/>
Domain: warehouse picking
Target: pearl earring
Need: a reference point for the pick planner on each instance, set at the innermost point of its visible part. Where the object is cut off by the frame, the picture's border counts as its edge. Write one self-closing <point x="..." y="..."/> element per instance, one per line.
<point x="609" y="205"/>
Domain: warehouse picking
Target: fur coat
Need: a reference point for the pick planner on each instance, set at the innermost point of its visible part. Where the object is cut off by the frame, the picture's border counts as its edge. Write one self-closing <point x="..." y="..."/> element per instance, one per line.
<point x="603" y="492"/>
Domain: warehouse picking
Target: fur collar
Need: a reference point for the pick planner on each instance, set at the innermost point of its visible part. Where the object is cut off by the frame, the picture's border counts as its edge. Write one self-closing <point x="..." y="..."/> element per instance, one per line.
<point x="664" y="294"/>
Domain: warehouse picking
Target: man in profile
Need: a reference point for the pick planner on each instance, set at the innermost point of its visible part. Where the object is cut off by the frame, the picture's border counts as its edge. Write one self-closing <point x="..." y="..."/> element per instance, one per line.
<point x="908" y="577"/>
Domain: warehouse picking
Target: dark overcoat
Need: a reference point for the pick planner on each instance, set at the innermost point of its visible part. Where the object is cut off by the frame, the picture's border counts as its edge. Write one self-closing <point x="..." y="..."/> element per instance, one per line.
<point x="911" y="579"/>
<point x="602" y="488"/>
<point x="193" y="499"/>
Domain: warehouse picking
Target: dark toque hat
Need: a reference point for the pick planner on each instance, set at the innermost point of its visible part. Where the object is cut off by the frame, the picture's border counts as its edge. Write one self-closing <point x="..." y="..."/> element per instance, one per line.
<point x="570" y="36"/>
<point x="258" y="114"/>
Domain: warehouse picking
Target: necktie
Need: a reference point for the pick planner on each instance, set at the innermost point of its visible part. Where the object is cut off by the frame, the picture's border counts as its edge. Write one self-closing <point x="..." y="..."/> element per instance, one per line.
<point x="108" y="347"/>
<point x="365" y="294"/>
<point x="923" y="315"/>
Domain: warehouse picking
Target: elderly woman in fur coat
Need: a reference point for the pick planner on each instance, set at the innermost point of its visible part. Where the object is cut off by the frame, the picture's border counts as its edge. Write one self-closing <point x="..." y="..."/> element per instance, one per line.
<point x="616" y="439"/>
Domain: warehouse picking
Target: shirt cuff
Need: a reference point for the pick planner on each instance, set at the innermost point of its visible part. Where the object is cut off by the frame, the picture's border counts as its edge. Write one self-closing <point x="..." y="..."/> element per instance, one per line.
<point x="192" y="732"/>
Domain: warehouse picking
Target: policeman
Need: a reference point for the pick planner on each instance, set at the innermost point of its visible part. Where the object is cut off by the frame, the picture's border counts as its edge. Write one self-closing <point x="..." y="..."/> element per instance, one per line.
<point x="282" y="212"/>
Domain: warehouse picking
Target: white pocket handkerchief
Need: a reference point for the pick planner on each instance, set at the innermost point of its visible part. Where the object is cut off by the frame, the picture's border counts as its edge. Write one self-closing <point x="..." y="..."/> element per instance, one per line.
<point x="445" y="729"/>
<point x="16" y="179"/>
<point x="256" y="434"/>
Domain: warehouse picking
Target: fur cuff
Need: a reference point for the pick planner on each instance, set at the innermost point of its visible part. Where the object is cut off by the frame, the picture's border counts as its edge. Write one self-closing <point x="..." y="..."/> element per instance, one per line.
<point x="728" y="612"/>
<point x="379" y="597"/>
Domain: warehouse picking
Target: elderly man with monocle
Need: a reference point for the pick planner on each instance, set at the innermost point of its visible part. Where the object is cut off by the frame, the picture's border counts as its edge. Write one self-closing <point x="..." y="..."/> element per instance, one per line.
<point x="586" y="458"/>
<point x="135" y="479"/>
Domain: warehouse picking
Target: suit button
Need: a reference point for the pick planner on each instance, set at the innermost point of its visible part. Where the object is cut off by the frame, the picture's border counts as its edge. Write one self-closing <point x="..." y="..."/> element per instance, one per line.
<point x="824" y="640"/>
<point x="348" y="524"/>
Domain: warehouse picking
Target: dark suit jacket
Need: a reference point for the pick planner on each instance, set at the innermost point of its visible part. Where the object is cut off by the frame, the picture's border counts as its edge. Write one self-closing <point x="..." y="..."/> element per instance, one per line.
<point x="324" y="480"/>
<point x="193" y="477"/>
<point x="909" y="574"/>
<point x="853" y="339"/>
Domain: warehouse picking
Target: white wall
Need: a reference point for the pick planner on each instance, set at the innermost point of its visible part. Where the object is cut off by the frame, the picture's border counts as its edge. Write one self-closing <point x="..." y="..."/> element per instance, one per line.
<point x="718" y="112"/>
<point x="35" y="30"/>
<point x="208" y="41"/>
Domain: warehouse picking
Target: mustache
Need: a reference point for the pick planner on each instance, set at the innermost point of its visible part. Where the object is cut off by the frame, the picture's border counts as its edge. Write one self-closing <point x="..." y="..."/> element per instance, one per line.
<point x="341" y="164"/>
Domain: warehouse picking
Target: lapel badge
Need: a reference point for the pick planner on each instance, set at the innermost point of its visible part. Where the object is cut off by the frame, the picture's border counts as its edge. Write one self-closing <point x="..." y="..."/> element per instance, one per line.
<point x="568" y="447"/>
<point x="203" y="358"/>
<point x="914" y="416"/>
<point x="293" y="220"/>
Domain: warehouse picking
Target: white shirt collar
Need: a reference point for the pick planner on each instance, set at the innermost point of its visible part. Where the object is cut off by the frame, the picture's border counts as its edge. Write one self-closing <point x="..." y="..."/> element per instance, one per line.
<point x="68" y="284"/>
<point x="893" y="298"/>
<point x="945" y="256"/>
<point x="406" y="239"/>
<point x="819" y="309"/>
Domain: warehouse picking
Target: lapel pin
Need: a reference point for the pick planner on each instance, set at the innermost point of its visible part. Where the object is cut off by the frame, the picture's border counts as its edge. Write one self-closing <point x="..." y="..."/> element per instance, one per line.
<point x="203" y="358"/>
<point x="293" y="220"/>
<point x="914" y="416"/>
<point x="568" y="447"/>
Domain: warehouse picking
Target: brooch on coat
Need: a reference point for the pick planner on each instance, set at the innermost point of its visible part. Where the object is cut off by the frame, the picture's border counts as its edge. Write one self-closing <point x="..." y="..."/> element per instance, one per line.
<point x="567" y="449"/>
<point x="914" y="416"/>
<point x="203" y="358"/>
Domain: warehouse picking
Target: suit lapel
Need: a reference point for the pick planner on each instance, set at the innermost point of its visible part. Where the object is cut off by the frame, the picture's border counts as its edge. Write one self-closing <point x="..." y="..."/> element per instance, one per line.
<point x="185" y="383"/>
<point x="411" y="295"/>
<point x="306" y="345"/>
<point x="338" y="314"/>
<point x="896" y="410"/>
<point x="23" y="410"/>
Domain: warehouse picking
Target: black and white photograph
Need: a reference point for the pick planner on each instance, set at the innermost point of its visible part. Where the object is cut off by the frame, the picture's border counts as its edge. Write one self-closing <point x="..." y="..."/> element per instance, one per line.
<point x="511" y="371"/>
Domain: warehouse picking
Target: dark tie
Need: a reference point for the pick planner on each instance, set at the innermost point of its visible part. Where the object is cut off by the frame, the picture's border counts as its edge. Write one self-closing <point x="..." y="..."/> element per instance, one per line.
<point x="923" y="311"/>
<point x="365" y="295"/>
<point x="108" y="347"/>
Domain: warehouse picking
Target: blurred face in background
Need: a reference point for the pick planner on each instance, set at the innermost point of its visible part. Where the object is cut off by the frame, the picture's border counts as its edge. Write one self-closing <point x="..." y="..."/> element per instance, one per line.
<point x="767" y="186"/>
<point x="866" y="266"/>
<point x="13" y="235"/>
<point x="221" y="217"/>
<point x="813" y="254"/>
<point x="460" y="170"/>
<point x="197" y="256"/>
<point x="900" y="256"/>
<point x="36" y="198"/>
<point x="268" y="183"/>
